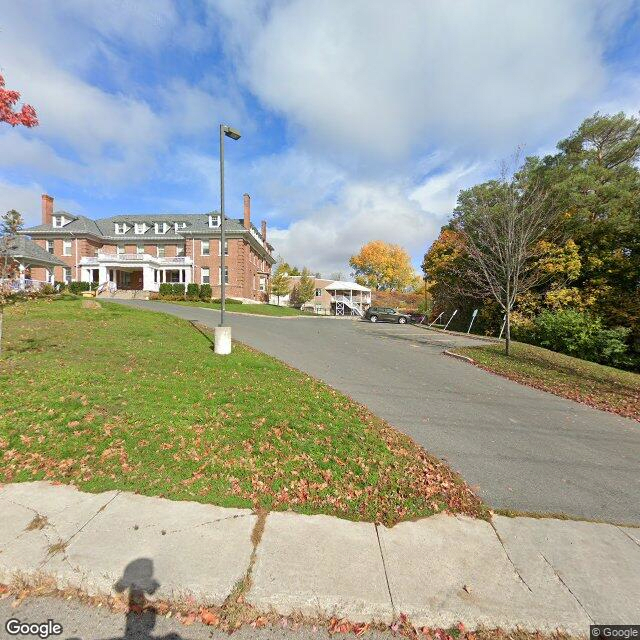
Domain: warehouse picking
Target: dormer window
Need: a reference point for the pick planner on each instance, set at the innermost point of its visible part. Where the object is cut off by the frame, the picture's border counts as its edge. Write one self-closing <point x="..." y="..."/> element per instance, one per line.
<point x="179" y="225"/>
<point x="162" y="227"/>
<point x="214" y="221"/>
<point x="140" y="228"/>
<point x="121" y="227"/>
<point x="58" y="221"/>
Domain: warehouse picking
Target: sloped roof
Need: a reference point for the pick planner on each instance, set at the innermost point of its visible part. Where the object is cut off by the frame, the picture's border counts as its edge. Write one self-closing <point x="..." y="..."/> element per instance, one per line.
<point x="27" y="250"/>
<point x="346" y="286"/>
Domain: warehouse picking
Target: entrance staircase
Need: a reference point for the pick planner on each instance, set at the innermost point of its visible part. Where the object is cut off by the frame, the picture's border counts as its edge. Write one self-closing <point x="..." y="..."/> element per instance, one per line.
<point x="125" y="294"/>
<point x="345" y="306"/>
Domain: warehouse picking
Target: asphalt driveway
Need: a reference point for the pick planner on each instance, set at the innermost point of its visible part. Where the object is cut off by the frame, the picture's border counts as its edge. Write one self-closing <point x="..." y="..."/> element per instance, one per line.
<point x="521" y="448"/>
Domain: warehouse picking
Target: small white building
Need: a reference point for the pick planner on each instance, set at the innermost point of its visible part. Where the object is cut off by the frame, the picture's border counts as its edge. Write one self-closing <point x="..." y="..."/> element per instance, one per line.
<point x="332" y="297"/>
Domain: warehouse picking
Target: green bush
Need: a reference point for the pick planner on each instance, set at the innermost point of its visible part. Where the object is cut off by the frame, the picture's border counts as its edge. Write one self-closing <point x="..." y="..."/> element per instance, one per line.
<point x="78" y="287"/>
<point x="205" y="292"/>
<point x="166" y="289"/>
<point x="193" y="291"/>
<point x="579" y="334"/>
<point x="177" y="289"/>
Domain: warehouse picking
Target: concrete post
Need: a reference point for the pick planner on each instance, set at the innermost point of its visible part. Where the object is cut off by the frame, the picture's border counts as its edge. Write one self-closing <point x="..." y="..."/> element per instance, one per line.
<point x="222" y="340"/>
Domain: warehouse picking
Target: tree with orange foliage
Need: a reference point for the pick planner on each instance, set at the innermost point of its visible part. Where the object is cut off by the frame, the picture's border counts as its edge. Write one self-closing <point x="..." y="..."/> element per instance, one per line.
<point x="383" y="266"/>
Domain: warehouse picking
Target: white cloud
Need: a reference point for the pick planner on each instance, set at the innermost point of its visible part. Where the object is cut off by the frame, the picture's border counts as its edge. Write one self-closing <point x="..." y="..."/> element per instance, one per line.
<point x="382" y="78"/>
<point x="325" y="240"/>
<point x="26" y="199"/>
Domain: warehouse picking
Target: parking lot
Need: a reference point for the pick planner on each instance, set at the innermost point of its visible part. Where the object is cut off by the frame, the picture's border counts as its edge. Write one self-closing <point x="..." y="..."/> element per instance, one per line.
<point x="524" y="449"/>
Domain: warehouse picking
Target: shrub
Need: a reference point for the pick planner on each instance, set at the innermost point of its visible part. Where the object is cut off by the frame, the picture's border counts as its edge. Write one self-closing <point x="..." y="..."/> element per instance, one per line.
<point x="193" y="291"/>
<point x="47" y="290"/>
<point x="205" y="292"/>
<point x="177" y="289"/>
<point x="579" y="334"/>
<point x="166" y="289"/>
<point x="78" y="287"/>
<point x="227" y="301"/>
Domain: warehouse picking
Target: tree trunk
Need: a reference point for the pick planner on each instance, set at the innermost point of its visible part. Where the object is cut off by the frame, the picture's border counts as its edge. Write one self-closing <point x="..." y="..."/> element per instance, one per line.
<point x="507" y="342"/>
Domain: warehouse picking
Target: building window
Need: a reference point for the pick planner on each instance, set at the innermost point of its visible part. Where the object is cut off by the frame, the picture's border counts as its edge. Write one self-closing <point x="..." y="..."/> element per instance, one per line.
<point x="263" y="284"/>
<point x="204" y="275"/>
<point x="140" y="249"/>
<point x="120" y="249"/>
<point x="139" y="228"/>
<point x="50" y="246"/>
<point x="226" y="247"/>
<point x="226" y="275"/>
<point x="180" y="251"/>
<point x="66" y="275"/>
<point x="121" y="228"/>
<point x="160" y="251"/>
<point x="318" y="293"/>
<point x="204" y="248"/>
<point x="172" y="275"/>
<point x="179" y="226"/>
<point x="66" y="247"/>
<point x="58" y="221"/>
<point x="214" y="221"/>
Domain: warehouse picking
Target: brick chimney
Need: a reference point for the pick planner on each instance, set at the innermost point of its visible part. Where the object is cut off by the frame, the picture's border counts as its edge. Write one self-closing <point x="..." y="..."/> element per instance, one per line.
<point x="47" y="209"/>
<point x="264" y="231"/>
<point x="247" y="211"/>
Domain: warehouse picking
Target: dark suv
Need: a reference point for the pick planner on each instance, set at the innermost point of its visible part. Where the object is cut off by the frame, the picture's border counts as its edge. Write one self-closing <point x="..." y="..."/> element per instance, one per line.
<point x="373" y="314"/>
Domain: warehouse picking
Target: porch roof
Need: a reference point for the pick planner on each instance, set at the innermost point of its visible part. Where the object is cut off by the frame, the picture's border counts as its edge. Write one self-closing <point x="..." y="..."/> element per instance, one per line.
<point x="28" y="252"/>
<point x="340" y="285"/>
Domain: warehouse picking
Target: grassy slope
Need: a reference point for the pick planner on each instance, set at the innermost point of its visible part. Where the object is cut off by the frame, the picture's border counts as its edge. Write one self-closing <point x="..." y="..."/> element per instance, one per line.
<point x="258" y="309"/>
<point x="135" y="400"/>
<point x="593" y="384"/>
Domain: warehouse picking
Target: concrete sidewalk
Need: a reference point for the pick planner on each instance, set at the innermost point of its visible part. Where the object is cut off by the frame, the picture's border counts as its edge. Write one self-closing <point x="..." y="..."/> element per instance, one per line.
<point x="540" y="574"/>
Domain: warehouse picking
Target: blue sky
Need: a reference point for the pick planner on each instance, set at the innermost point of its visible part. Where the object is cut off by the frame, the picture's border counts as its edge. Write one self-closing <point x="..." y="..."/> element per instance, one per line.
<point x="361" y="119"/>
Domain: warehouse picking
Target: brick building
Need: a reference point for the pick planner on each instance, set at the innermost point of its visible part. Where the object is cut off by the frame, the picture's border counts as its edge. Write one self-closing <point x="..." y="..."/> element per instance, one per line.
<point x="142" y="251"/>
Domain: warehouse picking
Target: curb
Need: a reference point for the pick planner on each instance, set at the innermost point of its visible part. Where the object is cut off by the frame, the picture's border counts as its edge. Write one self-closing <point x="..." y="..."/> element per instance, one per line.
<point x="451" y="354"/>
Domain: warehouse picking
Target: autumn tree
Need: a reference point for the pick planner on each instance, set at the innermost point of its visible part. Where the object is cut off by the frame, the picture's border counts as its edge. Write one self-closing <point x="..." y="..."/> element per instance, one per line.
<point x="8" y="99"/>
<point x="383" y="266"/>
<point x="10" y="223"/>
<point x="280" y="282"/>
<point x="502" y="224"/>
<point x="305" y="289"/>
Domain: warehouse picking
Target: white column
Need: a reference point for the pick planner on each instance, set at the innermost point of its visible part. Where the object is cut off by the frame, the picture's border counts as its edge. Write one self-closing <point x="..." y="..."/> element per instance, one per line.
<point x="103" y="274"/>
<point x="187" y="276"/>
<point x="147" y="279"/>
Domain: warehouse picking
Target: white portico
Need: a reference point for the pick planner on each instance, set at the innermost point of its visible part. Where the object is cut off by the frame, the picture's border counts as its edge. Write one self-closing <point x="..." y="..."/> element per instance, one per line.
<point x="136" y="271"/>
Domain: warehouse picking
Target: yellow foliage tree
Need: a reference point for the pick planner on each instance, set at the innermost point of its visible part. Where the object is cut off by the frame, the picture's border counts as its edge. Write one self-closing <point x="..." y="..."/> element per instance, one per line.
<point x="380" y="265"/>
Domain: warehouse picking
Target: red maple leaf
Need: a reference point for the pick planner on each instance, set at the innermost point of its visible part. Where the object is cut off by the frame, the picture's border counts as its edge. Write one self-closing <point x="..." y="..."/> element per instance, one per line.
<point x="26" y="116"/>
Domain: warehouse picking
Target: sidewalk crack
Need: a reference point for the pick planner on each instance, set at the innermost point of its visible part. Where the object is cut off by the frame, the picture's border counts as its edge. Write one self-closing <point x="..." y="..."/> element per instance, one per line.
<point x="384" y="567"/>
<point x="73" y="535"/>
<point x="626" y="534"/>
<point x="506" y="553"/>
<point x="566" y="586"/>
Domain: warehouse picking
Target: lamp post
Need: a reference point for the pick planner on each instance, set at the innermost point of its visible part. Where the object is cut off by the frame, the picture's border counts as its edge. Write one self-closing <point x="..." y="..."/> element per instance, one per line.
<point x="223" y="334"/>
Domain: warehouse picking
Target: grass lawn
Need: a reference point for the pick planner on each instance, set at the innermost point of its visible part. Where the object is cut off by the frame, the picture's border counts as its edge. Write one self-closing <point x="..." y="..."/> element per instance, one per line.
<point x="258" y="309"/>
<point x="118" y="398"/>
<point x="593" y="384"/>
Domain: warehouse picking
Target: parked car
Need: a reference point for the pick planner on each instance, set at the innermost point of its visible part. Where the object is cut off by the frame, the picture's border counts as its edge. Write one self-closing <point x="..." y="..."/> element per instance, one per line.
<point x="386" y="314"/>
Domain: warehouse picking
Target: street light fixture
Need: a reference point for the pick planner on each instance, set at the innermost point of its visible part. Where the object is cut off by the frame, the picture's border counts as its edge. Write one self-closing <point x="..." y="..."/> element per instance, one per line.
<point x="223" y="334"/>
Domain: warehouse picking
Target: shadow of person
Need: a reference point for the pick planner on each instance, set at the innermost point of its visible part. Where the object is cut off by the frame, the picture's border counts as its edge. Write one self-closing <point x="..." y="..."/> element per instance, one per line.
<point x="138" y="580"/>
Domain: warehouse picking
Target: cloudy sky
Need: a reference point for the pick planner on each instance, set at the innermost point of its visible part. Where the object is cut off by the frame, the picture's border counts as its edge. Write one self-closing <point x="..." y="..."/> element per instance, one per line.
<point x="361" y="119"/>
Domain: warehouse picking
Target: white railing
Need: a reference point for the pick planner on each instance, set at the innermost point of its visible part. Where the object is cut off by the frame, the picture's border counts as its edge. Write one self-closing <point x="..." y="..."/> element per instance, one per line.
<point x="26" y="284"/>
<point x="135" y="257"/>
<point x="355" y="305"/>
